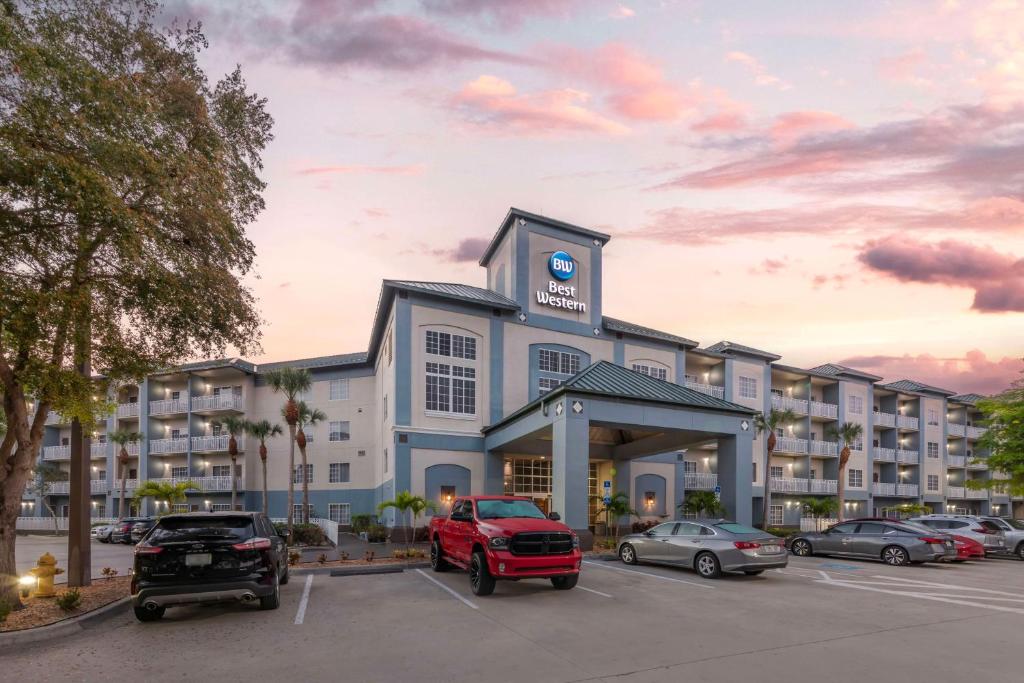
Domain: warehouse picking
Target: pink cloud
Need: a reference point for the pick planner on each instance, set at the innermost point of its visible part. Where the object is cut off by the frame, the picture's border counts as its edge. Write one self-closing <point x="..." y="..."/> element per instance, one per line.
<point x="795" y="124"/>
<point x="972" y="373"/>
<point x="467" y="250"/>
<point x="997" y="279"/>
<point x="721" y="122"/>
<point x="622" y="12"/>
<point x="501" y="13"/>
<point x="760" y="71"/>
<point x="410" y="169"/>
<point x="903" y="68"/>
<point x="494" y="104"/>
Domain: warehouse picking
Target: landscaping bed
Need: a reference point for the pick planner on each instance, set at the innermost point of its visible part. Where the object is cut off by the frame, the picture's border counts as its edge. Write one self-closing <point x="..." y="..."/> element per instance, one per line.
<point x="44" y="611"/>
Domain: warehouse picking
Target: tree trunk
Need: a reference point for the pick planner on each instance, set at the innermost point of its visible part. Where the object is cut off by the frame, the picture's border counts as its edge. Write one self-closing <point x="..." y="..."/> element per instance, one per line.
<point x="9" y="511"/>
<point x="263" y="462"/>
<point x="767" y="487"/>
<point x="844" y="459"/>
<point x="124" y="492"/>
<point x="79" y="511"/>
<point x="53" y="516"/>
<point x="234" y="482"/>
<point x="291" y="481"/>
<point x="305" y="486"/>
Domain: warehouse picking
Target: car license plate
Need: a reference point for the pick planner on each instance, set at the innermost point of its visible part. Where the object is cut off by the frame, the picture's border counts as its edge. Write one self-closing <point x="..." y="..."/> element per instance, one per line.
<point x="771" y="549"/>
<point x="198" y="559"/>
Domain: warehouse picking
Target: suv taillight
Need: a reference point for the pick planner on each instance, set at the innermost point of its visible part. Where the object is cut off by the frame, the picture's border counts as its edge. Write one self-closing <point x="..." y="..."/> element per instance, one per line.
<point x="253" y="544"/>
<point x="148" y="550"/>
<point x="746" y="545"/>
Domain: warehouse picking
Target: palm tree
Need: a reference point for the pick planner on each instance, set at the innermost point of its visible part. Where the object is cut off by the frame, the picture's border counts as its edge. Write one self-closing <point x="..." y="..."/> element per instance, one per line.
<point x="406" y="502"/>
<point x="122" y="438"/>
<point x="291" y="382"/>
<point x="774" y="420"/>
<point x="164" y="492"/>
<point x="820" y="508"/>
<point x="616" y="508"/>
<point x="847" y="433"/>
<point x="235" y="427"/>
<point x="263" y="430"/>
<point x="702" y="503"/>
<point x="307" y="416"/>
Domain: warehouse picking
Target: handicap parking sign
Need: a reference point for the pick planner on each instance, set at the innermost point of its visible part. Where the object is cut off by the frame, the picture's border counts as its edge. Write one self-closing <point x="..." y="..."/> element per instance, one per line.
<point x="607" y="483"/>
<point x="607" y="499"/>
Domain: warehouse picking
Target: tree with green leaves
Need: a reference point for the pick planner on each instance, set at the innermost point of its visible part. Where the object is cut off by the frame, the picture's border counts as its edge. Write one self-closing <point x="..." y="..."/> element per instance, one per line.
<point x="414" y="506"/>
<point x="848" y="433"/>
<point x="614" y="510"/>
<point x="122" y="438"/>
<point x="307" y="418"/>
<point x="291" y="382"/>
<point x="768" y="424"/>
<point x="164" y="492"/>
<point x="127" y="181"/>
<point x="1004" y="440"/>
<point x="820" y="508"/>
<point x="702" y="504"/>
<point x="906" y="510"/>
<point x="263" y="430"/>
<point x="46" y="475"/>
<point x="235" y="426"/>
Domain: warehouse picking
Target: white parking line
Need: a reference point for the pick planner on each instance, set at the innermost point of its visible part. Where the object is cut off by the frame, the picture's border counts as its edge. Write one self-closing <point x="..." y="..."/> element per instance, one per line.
<point x="873" y="587"/>
<point x="931" y="584"/>
<point x="656" y="576"/>
<point x="591" y="590"/>
<point x="455" y="595"/>
<point x="301" y="614"/>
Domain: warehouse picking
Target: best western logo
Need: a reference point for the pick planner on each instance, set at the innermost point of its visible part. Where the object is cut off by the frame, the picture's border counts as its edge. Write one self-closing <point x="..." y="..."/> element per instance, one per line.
<point x="562" y="267"/>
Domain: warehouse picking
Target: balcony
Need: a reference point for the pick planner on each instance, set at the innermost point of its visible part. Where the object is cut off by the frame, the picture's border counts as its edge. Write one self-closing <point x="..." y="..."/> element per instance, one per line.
<point x="829" y="411"/>
<point x="1000" y="496"/>
<point x="168" y="446"/>
<point x="826" y="448"/>
<point x="218" y="403"/>
<point x="56" y="452"/>
<point x="975" y="432"/>
<point x="787" y="444"/>
<point x="824" y="486"/>
<point x="98" y="449"/>
<point x="127" y="410"/>
<point x="906" y="422"/>
<point x="98" y="486"/>
<point x="885" y="454"/>
<point x="955" y="461"/>
<point x="797" y="405"/>
<point x="170" y="406"/>
<point x="885" y="419"/>
<point x="907" y="457"/>
<point x="975" y="464"/>
<point x="881" y="488"/>
<point x="210" y="444"/>
<point x="700" y="481"/>
<point x="955" y="429"/>
<point x="206" y="483"/>
<point x="63" y="488"/>
<point x="955" y="492"/>
<point x="788" y="485"/>
<point x="976" y="494"/>
<point x="906" y="490"/>
<point x="709" y="389"/>
<point x="54" y="418"/>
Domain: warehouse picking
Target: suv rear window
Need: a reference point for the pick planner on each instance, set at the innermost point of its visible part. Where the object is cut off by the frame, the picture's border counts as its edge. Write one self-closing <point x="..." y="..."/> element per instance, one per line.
<point x="187" y="529"/>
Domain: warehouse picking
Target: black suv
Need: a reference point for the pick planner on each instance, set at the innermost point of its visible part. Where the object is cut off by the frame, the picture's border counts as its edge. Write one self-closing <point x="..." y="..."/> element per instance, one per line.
<point x="140" y="529"/>
<point x="203" y="557"/>
<point x="122" y="529"/>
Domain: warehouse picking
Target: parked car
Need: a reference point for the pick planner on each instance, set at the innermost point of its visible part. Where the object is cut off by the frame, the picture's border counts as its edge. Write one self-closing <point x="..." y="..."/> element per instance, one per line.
<point x="140" y="529"/>
<point x="1013" y="531"/>
<point x="891" y="541"/>
<point x="122" y="531"/>
<point x="981" y="530"/>
<point x="504" y="537"/>
<point x="203" y="557"/>
<point x="102" y="532"/>
<point x="968" y="549"/>
<point x="711" y="547"/>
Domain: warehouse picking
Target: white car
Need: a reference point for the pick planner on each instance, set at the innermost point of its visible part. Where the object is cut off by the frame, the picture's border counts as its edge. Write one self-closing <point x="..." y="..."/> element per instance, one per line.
<point x="102" y="532"/>
<point x="974" y="527"/>
<point x="1013" y="530"/>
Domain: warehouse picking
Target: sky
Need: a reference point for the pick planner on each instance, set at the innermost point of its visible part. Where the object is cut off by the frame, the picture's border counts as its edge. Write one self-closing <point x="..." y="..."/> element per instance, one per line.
<point x="832" y="181"/>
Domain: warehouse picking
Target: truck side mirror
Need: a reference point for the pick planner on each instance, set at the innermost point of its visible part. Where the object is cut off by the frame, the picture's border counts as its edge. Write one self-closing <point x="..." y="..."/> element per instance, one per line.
<point x="554" y="516"/>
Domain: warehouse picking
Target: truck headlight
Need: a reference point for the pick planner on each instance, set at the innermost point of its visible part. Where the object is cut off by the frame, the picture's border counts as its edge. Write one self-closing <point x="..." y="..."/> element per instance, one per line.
<point x="499" y="543"/>
<point x="575" y="541"/>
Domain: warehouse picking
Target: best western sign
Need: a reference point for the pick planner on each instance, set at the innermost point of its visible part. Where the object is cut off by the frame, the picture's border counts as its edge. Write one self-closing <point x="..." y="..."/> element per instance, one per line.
<point x="562" y="268"/>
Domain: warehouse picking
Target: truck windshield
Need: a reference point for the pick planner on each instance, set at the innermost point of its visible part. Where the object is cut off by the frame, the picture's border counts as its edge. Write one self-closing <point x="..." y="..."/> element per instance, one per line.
<point x="500" y="509"/>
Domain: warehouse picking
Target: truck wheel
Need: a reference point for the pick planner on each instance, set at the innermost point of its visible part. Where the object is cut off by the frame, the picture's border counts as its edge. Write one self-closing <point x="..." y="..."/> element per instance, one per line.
<point x="437" y="561"/>
<point x="480" y="579"/>
<point x="143" y="614"/>
<point x="564" y="583"/>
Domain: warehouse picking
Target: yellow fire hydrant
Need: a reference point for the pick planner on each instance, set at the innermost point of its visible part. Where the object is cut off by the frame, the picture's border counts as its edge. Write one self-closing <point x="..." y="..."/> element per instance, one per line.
<point x="44" y="572"/>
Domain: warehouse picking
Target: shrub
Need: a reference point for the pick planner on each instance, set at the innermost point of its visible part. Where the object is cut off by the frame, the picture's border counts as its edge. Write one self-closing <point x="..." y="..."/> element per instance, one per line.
<point x="377" y="534"/>
<point x="303" y="534"/>
<point x="322" y="558"/>
<point x="399" y="554"/>
<point x="361" y="523"/>
<point x="109" y="572"/>
<point x="5" y="609"/>
<point x="294" y="556"/>
<point x="778" y="531"/>
<point x="421" y="535"/>
<point x="69" y="599"/>
<point x="642" y="526"/>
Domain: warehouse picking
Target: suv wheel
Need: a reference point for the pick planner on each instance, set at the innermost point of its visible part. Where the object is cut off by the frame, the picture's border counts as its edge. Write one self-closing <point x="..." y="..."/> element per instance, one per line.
<point x="627" y="554"/>
<point x="145" y="615"/>
<point x="564" y="583"/>
<point x="437" y="561"/>
<point x="285" y="577"/>
<point x="480" y="579"/>
<point x="800" y="548"/>
<point x="708" y="566"/>
<point x="272" y="601"/>
<point x="895" y="555"/>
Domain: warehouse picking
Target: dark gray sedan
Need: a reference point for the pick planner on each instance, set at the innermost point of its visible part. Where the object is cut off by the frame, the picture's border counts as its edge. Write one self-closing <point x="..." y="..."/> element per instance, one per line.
<point x="892" y="542"/>
<point x="708" y="546"/>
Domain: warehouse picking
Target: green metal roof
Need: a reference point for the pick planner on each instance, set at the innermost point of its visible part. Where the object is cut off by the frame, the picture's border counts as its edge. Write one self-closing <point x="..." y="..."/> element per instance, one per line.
<point x="916" y="387"/>
<point x="967" y="398"/>
<point x="616" y="325"/>
<point x="836" y="370"/>
<point x="732" y="347"/>
<point x="343" y="359"/>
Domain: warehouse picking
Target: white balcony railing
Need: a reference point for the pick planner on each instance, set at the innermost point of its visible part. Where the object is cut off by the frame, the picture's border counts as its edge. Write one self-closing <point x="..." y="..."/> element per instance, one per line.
<point x="126" y="410"/>
<point x="54" y="418"/>
<point x="56" y="452"/>
<point x="824" y="486"/>
<point x="881" y="488"/>
<point x="220" y="402"/>
<point x="98" y="449"/>
<point x="786" y="444"/>
<point x="709" y="389"/>
<point x="797" y="405"/>
<point x="974" y="464"/>
<point x="788" y="485"/>
<point x="62" y="488"/>
<point x="215" y="443"/>
<point x="975" y="432"/>
<point x="165" y="446"/>
<point x="955" y="461"/>
<point x="955" y="429"/>
<point x="812" y="524"/>
<point x="824" y="448"/>
<point x="885" y="454"/>
<point x="206" y="483"/>
<point x="170" y="406"/>
<point x="906" y="456"/>
<point x="976" y="494"/>
<point x="885" y="419"/>
<point x="1000" y="496"/>
<point x="826" y="410"/>
<point x="906" y="489"/>
<point x="906" y="422"/>
<point x="702" y="481"/>
<point x="99" y="486"/>
<point x="955" y="492"/>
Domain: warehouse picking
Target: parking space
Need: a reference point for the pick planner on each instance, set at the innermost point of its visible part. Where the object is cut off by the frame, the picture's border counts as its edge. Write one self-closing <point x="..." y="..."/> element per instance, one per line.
<point x="839" y="619"/>
<point x="30" y="548"/>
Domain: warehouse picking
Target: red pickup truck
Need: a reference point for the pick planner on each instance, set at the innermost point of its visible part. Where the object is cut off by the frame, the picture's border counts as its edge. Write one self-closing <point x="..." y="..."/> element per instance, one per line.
<point x="503" y="537"/>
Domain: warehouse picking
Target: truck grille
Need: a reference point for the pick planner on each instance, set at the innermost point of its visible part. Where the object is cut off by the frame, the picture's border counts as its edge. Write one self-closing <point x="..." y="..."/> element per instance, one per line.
<point x="537" y="543"/>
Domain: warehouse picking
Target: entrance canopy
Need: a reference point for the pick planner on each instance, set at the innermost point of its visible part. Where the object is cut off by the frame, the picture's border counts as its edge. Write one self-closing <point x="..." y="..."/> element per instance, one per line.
<point x="609" y="412"/>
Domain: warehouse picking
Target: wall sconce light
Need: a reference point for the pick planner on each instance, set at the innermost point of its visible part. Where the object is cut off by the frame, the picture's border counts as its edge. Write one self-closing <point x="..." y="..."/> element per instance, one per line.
<point x="94" y="468"/>
<point x="706" y="460"/>
<point x="790" y="390"/>
<point x="447" y="495"/>
<point x="707" y="376"/>
<point x="649" y="499"/>
<point x="207" y="504"/>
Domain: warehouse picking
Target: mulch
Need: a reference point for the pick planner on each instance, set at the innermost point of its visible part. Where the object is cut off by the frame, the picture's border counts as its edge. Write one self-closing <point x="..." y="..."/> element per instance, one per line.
<point x="44" y="611"/>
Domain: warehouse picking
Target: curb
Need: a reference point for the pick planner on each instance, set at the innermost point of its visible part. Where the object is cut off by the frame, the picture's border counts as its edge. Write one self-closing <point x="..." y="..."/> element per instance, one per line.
<point x="390" y="568"/>
<point x="62" y="629"/>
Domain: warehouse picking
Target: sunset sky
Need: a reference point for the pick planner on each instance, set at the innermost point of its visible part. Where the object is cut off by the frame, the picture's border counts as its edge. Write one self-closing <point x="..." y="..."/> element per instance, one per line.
<point x="830" y="181"/>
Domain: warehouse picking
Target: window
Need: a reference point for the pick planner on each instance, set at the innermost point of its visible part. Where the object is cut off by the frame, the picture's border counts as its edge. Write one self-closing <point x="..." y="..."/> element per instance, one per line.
<point x="748" y="387"/>
<point x="180" y="472"/>
<point x="546" y="384"/>
<point x="451" y="345"/>
<point x="175" y="395"/>
<point x="297" y="511"/>
<point x="847" y="528"/>
<point x="856" y="404"/>
<point x="102" y="474"/>
<point x="310" y="434"/>
<point x="180" y="507"/>
<point x="385" y="460"/>
<point x="753" y="475"/>
<point x="531" y="476"/>
<point x="340" y="513"/>
<point x="560" y="362"/>
<point x="856" y="478"/>
<point x="176" y="434"/>
<point x="451" y="389"/>
<point x="775" y="515"/>
<point x="689" y="467"/>
<point x="933" y="482"/>
<point x="220" y="507"/>
<point x="390" y="349"/>
<point x="933" y="449"/>
<point x="667" y="529"/>
<point x="933" y="416"/>
<point x="776" y="472"/>
<point x="339" y="390"/>
<point x="858" y="444"/>
<point x="221" y="470"/>
<point x="872" y="529"/>
<point x="339" y="473"/>
<point x="651" y="371"/>
<point x="339" y="431"/>
<point x="297" y="477"/>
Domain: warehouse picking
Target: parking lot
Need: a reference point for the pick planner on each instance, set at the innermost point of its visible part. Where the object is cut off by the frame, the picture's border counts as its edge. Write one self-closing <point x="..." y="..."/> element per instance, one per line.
<point x="836" y="619"/>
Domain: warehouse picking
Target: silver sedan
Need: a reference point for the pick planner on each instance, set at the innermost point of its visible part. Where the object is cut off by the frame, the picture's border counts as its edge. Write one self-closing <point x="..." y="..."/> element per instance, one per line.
<point x="711" y="547"/>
